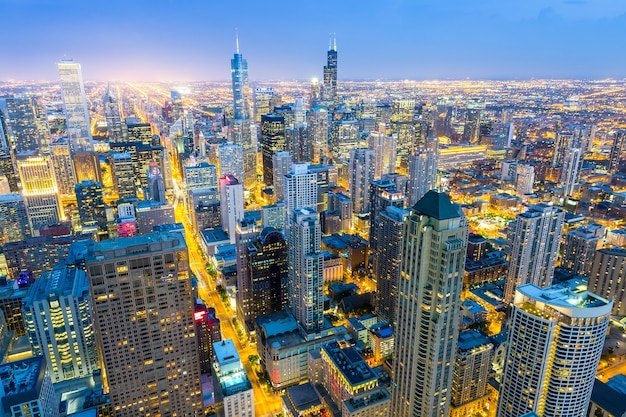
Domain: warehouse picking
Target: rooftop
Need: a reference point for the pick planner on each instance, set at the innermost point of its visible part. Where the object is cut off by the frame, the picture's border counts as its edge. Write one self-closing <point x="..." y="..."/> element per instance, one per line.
<point x="21" y="380"/>
<point x="349" y="362"/>
<point x="225" y="352"/>
<point x="367" y="399"/>
<point x="471" y="339"/>
<point x="303" y="397"/>
<point x="437" y="205"/>
<point x="608" y="398"/>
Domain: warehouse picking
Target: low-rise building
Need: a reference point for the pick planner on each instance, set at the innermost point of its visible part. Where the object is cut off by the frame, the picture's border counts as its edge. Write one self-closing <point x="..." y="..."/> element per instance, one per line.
<point x="26" y="389"/>
<point x="234" y="386"/>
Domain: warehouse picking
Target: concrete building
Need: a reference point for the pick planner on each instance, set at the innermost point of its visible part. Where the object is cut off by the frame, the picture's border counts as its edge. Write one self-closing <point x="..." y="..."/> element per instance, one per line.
<point x="14" y="222"/>
<point x="422" y="174"/>
<point x="471" y="370"/>
<point x="148" y="325"/>
<point x="533" y="242"/>
<point x="59" y="324"/>
<point x="606" y="278"/>
<point x="231" y="204"/>
<point x="26" y="389"/>
<point x="362" y="170"/>
<point x="580" y="248"/>
<point x="427" y="324"/>
<point x="234" y="385"/>
<point x="150" y="213"/>
<point x="559" y="361"/>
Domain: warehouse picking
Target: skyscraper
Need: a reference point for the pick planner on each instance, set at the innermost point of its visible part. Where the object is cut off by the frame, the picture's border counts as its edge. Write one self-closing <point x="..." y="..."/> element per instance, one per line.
<point x="607" y="277"/>
<point x="281" y="166"/>
<point x="320" y="131"/>
<point x="59" y="323"/>
<point x="230" y="156"/>
<point x="570" y="172"/>
<point x="124" y="175"/>
<point x="263" y="100"/>
<point x="306" y="269"/>
<point x="471" y="130"/>
<point x="471" y="368"/>
<point x="156" y="183"/>
<point x="8" y="169"/>
<point x="329" y="87"/>
<point x="300" y="189"/>
<point x="241" y="90"/>
<point x="619" y="140"/>
<point x="231" y="204"/>
<point x="91" y="207"/>
<point x="76" y="109"/>
<point x="580" y="248"/>
<point x="382" y="194"/>
<point x="263" y="288"/>
<point x="533" y="242"/>
<point x="422" y="174"/>
<point x="143" y="307"/>
<point x="115" y="129"/>
<point x="384" y="147"/>
<point x="387" y="231"/>
<point x="525" y="180"/>
<point x="40" y="190"/>
<point x="86" y="166"/>
<point x="362" y="170"/>
<point x="272" y="141"/>
<point x="403" y="125"/>
<point x="63" y="168"/>
<point x="554" y="346"/>
<point x="427" y="309"/>
<point x="22" y="120"/>
<point x="14" y="224"/>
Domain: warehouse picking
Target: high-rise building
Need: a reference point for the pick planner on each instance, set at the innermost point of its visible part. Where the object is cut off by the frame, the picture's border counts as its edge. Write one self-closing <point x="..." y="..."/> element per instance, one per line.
<point x="272" y="141"/>
<point x="115" y="128"/>
<point x="27" y="389"/>
<point x="299" y="142"/>
<point x="14" y="223"/>
<point x="150" y="213"/>
<point x="570" y="172"/>
<point x="202" y="175"/>
<point x="140" y="132"/>
<point x="233" y="381"/>
<point x="579" y="248"/>
<point x="231" y="204"/>
<point x="263" y="102"/>
<point x="91" y="207"/>
<point x="87" y="166"/>
<point x="7" y="169"/>
<point x="606" y="278"/>
<point x="124" y="175"/>
<point x="208" y="331"/>
<point x="427" y="310"/>
<point x="329" y="87"/>
<point x="362" y="170"/>
<point x="471" y="130"/>
<point x="320" y="131"/>
<point x="384" y="147"/>
<point x="555" y="341"/>
<point x="76" y="108"/>
<point x="525" y="180"/>
<point x="146" y="330"/>
<point x="59" y="323"/>
<point x="306" y="269"/>
<point x="533" y="242"/>
<point x="230" y="157"/>
<point x="422" y="174"/>
<point x="262" y="289"/>
<point x="156" y="183"/>
<point x="40" y="190"/>
<point x="63" y="169"/>
<point x="387" y="231"/>
<point x="241" y="90"/>
<point x="281" y="166"/>
<point x="344" y="136"/>
<point x="618" y="146"/>
<point x="300" y="189"/>
<point x="403" y="125"/>
<point x="382" y="194"/>
<point x="22" y="118"/>
<point x="4" y="132"/>
<point x="471" y="368"/>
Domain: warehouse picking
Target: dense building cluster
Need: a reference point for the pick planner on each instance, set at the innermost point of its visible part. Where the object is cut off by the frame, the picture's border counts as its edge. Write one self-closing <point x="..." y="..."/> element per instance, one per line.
<point x="312" y="249"/>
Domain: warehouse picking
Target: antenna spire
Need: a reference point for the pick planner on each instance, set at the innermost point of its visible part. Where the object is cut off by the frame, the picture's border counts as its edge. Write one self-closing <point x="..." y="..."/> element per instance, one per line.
<point x="237" y="39"/>
<point x="335" y="41"/>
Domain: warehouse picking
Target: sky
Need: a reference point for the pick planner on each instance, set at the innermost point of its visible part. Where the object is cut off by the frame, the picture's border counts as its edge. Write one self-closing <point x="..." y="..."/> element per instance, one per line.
<point x="188" y="40"/>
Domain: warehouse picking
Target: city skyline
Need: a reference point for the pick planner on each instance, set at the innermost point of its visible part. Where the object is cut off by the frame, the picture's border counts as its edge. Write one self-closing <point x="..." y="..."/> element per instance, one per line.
<point x="399" y="40"/>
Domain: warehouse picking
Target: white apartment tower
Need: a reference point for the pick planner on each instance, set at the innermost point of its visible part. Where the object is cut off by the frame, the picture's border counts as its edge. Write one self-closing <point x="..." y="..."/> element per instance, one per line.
<point x="533" y="242"/>
<point x="362" y="169"/>
<point x="231" y="204"/>
<point x="427" y="309"/>
<point x="422" y="174"/>
<point x="306" y="269"/>
<point x="554" y="346"/>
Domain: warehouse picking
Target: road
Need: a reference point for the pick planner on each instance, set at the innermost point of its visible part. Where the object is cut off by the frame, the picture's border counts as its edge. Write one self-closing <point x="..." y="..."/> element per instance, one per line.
<point x="267" y="404"/>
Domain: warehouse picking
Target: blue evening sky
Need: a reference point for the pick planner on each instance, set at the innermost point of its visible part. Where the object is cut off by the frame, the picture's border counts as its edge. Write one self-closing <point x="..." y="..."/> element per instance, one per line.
<point x="286" y="40"/>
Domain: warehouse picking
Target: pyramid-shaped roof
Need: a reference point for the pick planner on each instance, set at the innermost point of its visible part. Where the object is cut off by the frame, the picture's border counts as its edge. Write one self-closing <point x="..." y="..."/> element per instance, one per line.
<point x="437" y="205"/>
